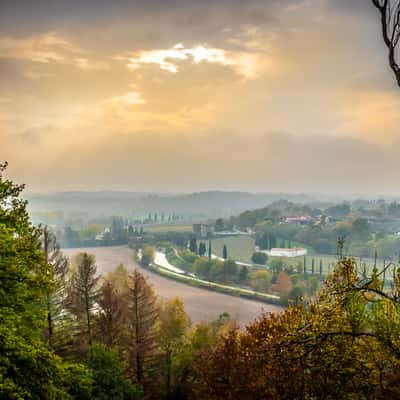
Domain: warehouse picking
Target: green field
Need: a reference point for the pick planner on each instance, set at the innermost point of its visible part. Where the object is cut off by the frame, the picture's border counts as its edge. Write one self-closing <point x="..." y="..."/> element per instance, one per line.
<point x="240" y="248"/>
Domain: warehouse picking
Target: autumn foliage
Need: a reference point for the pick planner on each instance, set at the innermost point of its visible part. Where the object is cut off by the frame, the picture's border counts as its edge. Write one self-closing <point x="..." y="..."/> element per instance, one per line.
<point x="331" y="348"/>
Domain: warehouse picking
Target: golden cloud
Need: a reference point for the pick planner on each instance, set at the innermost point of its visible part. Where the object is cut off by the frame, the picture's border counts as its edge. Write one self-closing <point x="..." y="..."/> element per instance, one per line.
<point x="47" y="48"/>
<point x="246" y="64"/>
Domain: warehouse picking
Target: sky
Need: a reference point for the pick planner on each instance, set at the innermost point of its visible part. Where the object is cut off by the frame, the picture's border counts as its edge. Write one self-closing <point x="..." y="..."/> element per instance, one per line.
<point x="181" y="96"/>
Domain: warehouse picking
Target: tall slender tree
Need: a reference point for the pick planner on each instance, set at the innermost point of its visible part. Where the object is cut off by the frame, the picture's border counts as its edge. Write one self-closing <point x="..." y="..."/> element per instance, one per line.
<point x="84" y="292"/>
<point x="142" y="315"/>
<point x="224" y="252"/>
<point x="111" y="316"/>
<point x="171" y="328"/>
<point x="55" y="293"/>
<point x="202" y="249"/>
<point x="193" y="245"/>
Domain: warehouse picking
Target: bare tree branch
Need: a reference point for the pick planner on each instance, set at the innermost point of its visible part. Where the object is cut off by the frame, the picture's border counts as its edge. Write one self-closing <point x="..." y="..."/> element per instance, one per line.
<point x="390" y="21"/>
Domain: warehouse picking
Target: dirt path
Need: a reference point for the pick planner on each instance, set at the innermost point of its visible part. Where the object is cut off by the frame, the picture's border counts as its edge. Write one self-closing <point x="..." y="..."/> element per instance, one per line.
<point x="200" y="304"/>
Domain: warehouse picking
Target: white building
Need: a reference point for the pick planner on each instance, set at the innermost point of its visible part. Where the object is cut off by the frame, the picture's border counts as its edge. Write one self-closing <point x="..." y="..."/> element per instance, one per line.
<point x="294" y="252"/>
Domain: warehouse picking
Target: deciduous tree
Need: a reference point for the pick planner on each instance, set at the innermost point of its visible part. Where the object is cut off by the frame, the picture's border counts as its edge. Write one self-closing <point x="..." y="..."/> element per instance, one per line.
<point x="389" y="11"/>
<point x="172" y="325"/>
<point x="56" y="299"/>
<point x="28" y="368"/>
<point x="148" y="254"/>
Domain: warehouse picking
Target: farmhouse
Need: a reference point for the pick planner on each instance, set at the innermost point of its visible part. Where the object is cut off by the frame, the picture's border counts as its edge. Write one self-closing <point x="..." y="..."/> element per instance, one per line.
<point x="202" y="230"/>
<point x="300" y="220"/>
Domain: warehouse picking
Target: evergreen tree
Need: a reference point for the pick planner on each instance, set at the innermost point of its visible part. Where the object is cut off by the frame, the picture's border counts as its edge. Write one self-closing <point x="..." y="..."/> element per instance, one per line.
<point x="84" y="292"/>
<point x="111" y="316"/>
<point x="141" y="319"/>
<point x="193" y="245"/>
<point x="259" y="258"/>
<point x="224" y="252"/>
<point x="202" y="249"/>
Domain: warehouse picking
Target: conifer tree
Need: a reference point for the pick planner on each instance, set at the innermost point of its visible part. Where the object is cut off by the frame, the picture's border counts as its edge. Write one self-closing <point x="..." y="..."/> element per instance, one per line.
<point x="193" y="245"/>
<point x="111" y="317"/>
<point x="202" y="249"/>
<point x="141" y="319"/>
<point x="84" y="292"/>
<point x="224" y="252"/>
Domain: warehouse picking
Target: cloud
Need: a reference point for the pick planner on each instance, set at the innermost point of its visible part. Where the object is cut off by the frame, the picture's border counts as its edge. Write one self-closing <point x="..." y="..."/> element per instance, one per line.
<point x="86" y="65"/>
<point x="244" y="63"/>
<point x="127" y="99"/>
<point x="194" y="115"/>
<point x="47" y="48"/>
<point x="43" y="48"/>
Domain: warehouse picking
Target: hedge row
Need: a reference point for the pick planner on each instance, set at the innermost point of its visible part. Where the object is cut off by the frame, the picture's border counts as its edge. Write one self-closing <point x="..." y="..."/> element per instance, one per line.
<point x="237" y="292"/>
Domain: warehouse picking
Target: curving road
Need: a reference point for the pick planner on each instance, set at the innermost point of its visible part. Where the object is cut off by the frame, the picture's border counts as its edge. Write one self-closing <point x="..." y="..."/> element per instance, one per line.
<point x="200" y="304"/>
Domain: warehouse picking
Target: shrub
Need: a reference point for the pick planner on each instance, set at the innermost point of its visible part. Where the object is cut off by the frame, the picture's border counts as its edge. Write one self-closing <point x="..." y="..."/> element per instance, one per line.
<point x="259" y="258"/>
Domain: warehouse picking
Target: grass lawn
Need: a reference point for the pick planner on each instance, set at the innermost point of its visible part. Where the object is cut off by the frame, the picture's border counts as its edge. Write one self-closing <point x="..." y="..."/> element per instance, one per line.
<point x="240" y="248"/>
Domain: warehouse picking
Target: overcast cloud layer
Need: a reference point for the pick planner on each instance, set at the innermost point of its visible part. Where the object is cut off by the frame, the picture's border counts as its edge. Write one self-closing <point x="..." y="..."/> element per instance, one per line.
<point x="174" y="95"/>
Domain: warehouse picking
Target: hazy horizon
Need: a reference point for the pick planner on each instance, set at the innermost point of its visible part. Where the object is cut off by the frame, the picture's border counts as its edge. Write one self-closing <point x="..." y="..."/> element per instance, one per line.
<point x="322" y="194"/>
<point x="185" y="96"/>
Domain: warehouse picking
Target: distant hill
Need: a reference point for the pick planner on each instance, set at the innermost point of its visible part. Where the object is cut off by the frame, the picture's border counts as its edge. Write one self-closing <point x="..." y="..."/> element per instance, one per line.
<point x="203" y="204"/>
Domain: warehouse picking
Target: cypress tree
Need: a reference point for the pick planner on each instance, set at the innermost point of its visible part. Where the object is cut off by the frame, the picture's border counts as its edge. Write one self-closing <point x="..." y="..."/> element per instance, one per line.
<point x="224" y="252"/>
<point x="202" y="249"/>
<point x="193" y="245"/>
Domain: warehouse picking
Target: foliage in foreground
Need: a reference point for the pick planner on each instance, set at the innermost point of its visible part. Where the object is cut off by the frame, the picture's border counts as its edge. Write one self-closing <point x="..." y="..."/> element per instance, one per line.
<point x="345" y="345"/>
